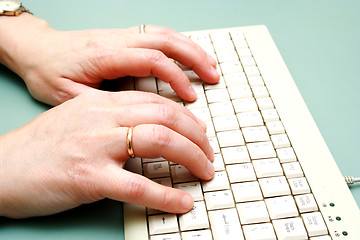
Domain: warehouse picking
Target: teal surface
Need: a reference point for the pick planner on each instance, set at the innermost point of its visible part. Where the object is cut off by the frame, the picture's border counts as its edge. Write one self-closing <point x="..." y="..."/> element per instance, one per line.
<point x="319" y="41"/>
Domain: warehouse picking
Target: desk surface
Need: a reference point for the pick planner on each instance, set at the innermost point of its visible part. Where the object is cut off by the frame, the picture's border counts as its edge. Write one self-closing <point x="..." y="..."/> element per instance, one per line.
<point x="319" y="41"/>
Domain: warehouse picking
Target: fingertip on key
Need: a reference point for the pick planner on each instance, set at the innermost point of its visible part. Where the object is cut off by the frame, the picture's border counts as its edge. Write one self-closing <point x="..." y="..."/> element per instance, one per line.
<point x="187" y="202"/>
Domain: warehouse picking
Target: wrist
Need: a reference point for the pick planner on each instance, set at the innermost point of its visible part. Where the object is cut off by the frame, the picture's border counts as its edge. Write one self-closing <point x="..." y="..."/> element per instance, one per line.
<point x="17" y="35"/>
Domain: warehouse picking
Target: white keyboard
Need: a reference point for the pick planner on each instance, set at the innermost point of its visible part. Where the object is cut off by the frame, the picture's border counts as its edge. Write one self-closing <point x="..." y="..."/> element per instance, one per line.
<point x="275" y="177"/>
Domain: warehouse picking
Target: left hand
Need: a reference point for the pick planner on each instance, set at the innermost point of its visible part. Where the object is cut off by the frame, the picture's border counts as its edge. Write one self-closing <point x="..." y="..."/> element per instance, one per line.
<point x="57" y="66"/>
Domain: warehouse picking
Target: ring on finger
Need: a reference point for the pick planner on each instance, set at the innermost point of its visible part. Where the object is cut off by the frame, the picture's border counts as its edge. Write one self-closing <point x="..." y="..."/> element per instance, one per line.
<point x="142" y="28"/>
<point x="129" y="144"/>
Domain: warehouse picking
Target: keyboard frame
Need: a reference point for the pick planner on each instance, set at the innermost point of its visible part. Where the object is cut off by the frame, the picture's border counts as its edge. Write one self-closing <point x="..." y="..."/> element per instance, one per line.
<point x="323" y="175"/>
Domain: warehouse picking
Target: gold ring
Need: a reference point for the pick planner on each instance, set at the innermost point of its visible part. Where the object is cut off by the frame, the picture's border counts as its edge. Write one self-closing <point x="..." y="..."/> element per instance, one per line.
<point x="142" y="28"/>
<point x="129" y="145"/>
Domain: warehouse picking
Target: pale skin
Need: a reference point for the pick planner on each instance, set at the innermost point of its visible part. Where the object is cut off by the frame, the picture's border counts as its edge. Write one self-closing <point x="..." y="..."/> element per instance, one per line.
<point x="75" y="152"/>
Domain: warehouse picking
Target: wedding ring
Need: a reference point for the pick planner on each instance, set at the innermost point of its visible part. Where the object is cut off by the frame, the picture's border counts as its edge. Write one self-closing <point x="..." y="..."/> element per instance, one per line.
<point x="129" y="145"/>
<point x="142" y="28"/>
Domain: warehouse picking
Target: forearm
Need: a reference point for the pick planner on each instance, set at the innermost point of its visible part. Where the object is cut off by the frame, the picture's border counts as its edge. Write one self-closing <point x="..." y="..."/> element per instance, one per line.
<point x="16" y="36"/>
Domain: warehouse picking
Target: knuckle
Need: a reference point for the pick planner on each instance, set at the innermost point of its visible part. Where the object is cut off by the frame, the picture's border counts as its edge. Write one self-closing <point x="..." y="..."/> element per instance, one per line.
<point x="156" y="57"/>
<point x="166" y="114"/>
<point x="165" y="201"/>
<point x="135" y="189"/>
<point x="160" y="136"/>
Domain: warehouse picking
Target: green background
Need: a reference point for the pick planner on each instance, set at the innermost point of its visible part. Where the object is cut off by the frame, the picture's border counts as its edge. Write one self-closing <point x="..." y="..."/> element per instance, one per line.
<point x="319" y="41"/>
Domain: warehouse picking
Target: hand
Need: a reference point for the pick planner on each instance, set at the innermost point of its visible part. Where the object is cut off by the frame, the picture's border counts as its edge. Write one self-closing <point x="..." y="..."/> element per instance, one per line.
<point x="58" y="66"/>
<point x="75" y="153"/>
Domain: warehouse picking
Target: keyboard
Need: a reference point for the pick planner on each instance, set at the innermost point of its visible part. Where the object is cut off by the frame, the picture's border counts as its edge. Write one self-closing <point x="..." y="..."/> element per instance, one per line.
<point x="275" y="177"/>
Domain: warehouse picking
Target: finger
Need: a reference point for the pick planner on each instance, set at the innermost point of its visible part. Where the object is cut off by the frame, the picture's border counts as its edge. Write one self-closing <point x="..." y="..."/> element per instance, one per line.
<point x="180" y="48"/>
<point x="127" y="98"/>
<point x="145" y="62"/>
<point x="153" y="141"/>
<point x="162" y="114"/>
<point x="119" y="184"/>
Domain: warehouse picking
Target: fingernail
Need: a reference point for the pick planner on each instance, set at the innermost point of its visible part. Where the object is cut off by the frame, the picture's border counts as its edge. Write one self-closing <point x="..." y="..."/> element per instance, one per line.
<point x="192" y="93"/>
<point x="187" y="202"/>
<point x="210" y="169"/>
<point x="215" y="73"/>
<point x="211" y="60"/>
<point x="202" y="124"/>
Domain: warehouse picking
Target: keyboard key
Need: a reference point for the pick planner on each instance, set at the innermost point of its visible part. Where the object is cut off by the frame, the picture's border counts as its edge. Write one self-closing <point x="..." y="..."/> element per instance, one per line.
<point x="219" y="200"/>
<point x="198" y="87"/>
<point x="275" y="127"/>
<point x="274" y="186"/>
<point x="156" y="169"/>
<point x="292" y="170"/>
<point x="250" y="119"/>
<point x="281" y="207"/>
<point x="225" y="123"/>
<point x="230" y="138"/>
<point x="270" y="115"/>
<point x="210" y="130"/>
<point x="197" y="218"/>
<point x="246" y="191"/>
<point x="219" y="182"/>
<point x="146" y="84"/>
<point x="200" y="102"/>
<point x="252" y="212"/>
<point x="255" y="134"/>
<point x="255" y="81"/>
<point x="244" y="105"/>
<point x="241" y="172"/>
<point x="214" y="144"/>
<point x="280" y="140"/>
<point x="218" y="162"/>
<point x="149" y="160"/>
<point x="202" y="113"/>
<point x="260" y="92"/>
<point x="170" y="94"/>
<point x="299" y="185"/>
<point x="265" y="103"/>
<point x="286" y="154"/>
<point x="221" y="109"/>
<point x="314" y="224"/>
<point x="227" y="56"/>
<point x="306" y="203"/>
<point x="290" y="228"/>
<point x="263" y="231"/>
<point x="217" y="95"/>
<point x="134" y="165"/>
<point x="235" y="155"/>
<point x="261" y="150"/>
<point x="234" y="79"/>
<point x="163" y="223"/>
<point x="231" y="67"/>
<point x="193" y="188"/>
<point x="250" y="70"/>
<point x="244" y="52"/>
<point x="225" y="224"/>
<point x="180" y="174"/>
<point x="197" y="235"/>
<point x="267" y="167"/>
<point x="173" y="236"/>
<point x="246" y="60"/>
<point x="240" y="91"/>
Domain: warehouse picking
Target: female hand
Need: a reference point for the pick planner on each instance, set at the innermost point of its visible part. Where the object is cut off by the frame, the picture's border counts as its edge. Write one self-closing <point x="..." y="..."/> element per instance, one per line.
<point x="75" y="153"/>
<point x="57" y="66"/>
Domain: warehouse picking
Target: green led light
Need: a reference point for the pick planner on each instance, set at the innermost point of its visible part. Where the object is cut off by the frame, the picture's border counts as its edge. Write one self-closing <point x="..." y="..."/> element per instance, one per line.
<point x="345" y="233"/>
<point x="332" y="204"/>
<point x="338" y="218"/>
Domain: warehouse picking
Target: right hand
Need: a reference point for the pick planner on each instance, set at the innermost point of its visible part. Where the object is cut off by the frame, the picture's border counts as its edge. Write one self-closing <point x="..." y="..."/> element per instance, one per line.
<point x="75" y="153"/>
